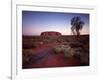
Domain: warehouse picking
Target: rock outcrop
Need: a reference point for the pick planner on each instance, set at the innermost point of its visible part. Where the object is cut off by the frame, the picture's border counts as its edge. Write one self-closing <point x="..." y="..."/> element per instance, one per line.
<point x="47" y="34"/>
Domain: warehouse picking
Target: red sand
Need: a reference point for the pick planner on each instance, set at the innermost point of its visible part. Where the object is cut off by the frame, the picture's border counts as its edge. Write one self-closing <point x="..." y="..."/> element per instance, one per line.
<point x="57" y="61"/>
<point x="54" y="60"/>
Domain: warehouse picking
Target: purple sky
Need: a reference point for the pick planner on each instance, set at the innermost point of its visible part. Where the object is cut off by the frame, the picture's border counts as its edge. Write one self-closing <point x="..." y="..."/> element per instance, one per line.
<point x="34" y="23"/>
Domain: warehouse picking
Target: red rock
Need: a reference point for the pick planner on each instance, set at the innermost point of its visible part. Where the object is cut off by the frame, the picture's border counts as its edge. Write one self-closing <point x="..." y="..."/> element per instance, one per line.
<point x="50" y="33"/>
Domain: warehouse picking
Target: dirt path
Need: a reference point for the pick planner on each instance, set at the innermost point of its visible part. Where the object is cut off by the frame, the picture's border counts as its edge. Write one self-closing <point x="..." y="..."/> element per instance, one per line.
<point x="45" y="57"/>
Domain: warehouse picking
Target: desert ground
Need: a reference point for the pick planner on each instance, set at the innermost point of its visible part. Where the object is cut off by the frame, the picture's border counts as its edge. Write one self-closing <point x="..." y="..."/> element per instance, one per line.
<point x="65" y="51"/>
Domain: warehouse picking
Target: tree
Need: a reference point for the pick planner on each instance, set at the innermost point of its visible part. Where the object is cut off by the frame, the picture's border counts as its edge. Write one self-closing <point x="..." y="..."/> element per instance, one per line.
<point x="77" y="25"/>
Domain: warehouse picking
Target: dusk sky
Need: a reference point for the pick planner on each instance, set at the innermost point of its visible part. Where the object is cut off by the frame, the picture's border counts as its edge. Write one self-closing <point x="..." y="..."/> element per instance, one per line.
<point x="33" y="23"/>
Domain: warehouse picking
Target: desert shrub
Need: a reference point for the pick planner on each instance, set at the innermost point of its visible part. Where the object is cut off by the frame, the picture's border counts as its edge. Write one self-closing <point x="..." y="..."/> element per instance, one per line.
<point x="28" y="45"/>
<point x="66" y="49"/>
<point x="76" y="44"/>
<point x="51" y="38"/>
<point x="86" y="48"/>
<point x="61" y="40"/>
<point x="26" y="54"/>
<point x="84" y="59"/>
<point x="65" y="43"/>
<point x="77" y="52"/>
<point x="68" y="52"/>
<point x="57" y="49"/>
<point x="82" y="55"/>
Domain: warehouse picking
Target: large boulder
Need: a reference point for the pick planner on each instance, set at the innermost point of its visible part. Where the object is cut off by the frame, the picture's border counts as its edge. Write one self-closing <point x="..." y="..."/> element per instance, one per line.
<point x="50" y="34"/>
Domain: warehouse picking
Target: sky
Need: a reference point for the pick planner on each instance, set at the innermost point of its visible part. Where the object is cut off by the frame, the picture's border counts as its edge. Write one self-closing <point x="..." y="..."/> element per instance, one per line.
<point x="35" y="22"/>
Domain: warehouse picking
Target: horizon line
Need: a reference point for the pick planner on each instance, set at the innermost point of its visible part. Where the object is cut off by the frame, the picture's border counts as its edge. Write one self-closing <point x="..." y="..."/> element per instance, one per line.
<point x="61" y="35"/>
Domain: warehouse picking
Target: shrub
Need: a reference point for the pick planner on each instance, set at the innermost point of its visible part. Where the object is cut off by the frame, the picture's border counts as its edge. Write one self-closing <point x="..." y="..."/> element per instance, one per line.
<point x="28" y="45"/>
<point x="66" y="49"/>
<point x="85" y="58"/>
<point x="68" y="52"/>
<point x="57" y="49"/>
<point x="27" y="53"/>
<point x="51" y="38"/>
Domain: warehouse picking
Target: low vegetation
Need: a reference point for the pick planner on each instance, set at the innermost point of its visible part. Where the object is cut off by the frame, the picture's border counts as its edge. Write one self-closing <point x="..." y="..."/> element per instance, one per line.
<point x="66" y="45"/>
